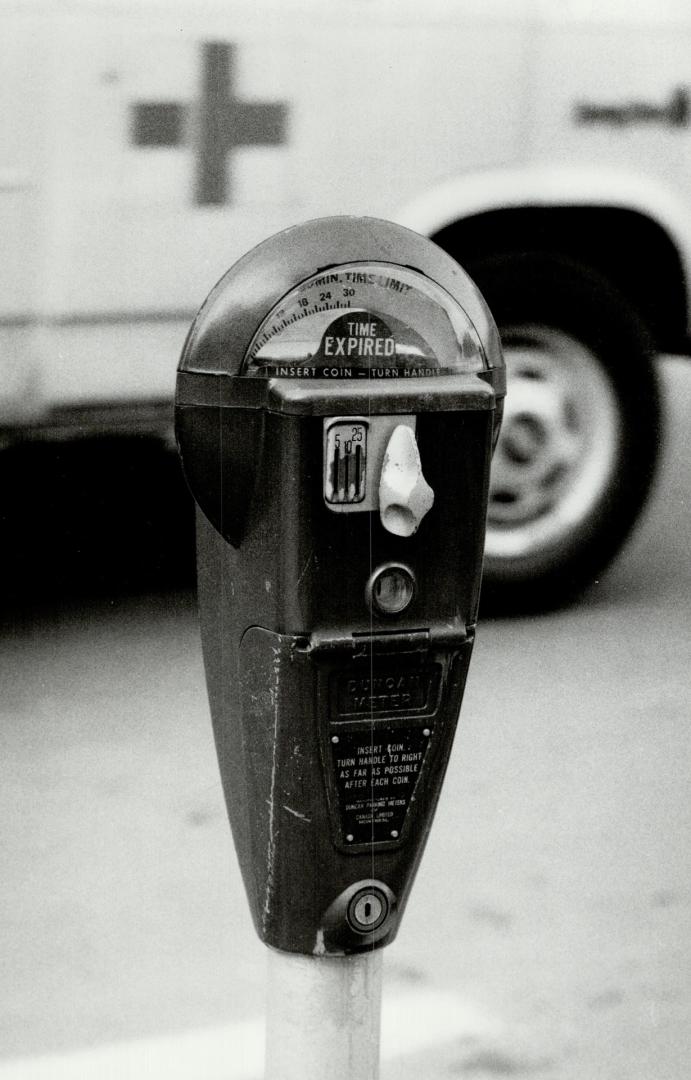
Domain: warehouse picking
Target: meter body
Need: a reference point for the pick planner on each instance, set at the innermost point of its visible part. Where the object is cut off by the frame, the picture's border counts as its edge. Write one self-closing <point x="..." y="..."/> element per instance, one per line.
<point x="338" y="399"/>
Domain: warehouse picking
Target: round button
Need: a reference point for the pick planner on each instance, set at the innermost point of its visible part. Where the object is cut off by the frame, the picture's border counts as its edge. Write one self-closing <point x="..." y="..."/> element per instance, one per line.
<point x="391" y="589"/>
<point x="367" y="910"/>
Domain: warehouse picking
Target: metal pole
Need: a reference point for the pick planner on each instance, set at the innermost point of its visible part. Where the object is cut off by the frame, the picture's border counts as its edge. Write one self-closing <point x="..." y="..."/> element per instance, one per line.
<point x="323" y="1016"/>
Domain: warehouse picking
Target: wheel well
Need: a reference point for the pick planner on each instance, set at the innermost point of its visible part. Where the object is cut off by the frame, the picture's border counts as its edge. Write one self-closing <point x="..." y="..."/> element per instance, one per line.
<point x="628" y="248"/>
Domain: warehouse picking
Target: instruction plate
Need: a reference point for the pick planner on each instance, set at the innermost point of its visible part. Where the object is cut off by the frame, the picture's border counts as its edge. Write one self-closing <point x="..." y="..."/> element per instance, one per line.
<point x="375" y="775"/>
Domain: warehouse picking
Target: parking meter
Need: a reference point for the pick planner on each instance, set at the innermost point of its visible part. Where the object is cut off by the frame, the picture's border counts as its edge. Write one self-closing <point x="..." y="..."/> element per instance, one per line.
<point x="338" y="399"/>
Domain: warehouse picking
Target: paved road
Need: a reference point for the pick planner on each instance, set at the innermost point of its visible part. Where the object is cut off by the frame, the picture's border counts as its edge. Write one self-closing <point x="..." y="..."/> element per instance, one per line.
<point x="555" y="895"/>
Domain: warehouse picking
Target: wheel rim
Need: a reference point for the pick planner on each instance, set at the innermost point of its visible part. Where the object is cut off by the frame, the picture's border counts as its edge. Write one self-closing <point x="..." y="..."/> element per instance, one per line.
<point x="558" y="445"/>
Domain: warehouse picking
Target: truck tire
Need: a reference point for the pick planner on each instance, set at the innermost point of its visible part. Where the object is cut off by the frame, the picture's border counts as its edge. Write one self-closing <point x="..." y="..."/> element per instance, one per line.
<point x="581" y="430"/>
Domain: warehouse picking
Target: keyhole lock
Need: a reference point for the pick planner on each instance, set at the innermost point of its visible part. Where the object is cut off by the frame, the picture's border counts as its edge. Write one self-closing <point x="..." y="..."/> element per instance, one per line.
<point x="367" y="910"/>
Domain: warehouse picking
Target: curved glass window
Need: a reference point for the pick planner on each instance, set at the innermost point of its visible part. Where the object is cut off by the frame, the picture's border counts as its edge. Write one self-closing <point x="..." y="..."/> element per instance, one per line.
<point x="365" y="320"/>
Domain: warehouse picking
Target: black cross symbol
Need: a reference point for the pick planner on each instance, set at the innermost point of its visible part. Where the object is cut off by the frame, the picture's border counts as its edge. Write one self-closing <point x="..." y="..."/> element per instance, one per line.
<point x="220" y="124"/>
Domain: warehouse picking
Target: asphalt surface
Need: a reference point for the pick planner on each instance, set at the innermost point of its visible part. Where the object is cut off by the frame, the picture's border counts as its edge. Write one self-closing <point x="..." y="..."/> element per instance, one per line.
<point x="555" y="893"/>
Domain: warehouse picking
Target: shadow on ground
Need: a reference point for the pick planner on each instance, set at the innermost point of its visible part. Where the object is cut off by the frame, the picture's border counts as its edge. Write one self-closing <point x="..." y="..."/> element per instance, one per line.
<point x="94" y="518"/>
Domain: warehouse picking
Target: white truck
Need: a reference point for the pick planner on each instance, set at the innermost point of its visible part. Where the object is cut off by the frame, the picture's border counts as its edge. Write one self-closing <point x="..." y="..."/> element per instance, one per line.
<point x="545" y="145"/>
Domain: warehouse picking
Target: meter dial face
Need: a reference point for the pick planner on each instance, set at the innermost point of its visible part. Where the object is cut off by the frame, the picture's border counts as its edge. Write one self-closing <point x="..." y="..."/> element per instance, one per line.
<point x="365" y="320"/>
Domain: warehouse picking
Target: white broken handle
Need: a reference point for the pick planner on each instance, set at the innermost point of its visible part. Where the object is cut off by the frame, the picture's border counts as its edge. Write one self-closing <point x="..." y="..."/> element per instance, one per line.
<point x="404" y="494"/>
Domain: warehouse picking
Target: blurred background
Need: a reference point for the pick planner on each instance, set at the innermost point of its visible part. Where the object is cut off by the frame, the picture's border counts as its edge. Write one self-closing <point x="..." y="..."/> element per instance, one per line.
<point x="547" y="146"/>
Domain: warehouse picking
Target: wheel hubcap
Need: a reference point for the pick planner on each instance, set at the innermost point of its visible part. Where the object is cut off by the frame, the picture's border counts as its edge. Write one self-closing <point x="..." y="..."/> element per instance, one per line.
<point x="557" y="449"/>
